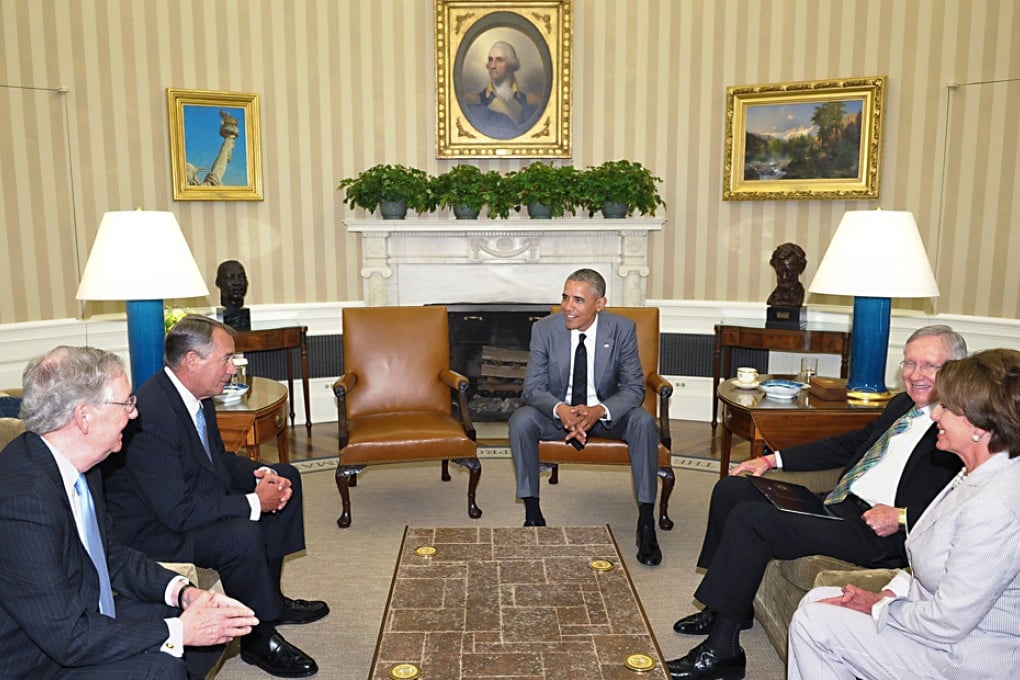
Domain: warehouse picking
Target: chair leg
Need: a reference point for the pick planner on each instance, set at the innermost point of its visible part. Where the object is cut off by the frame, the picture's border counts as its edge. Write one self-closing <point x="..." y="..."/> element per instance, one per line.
<point x="474" y="466"/>
<point x="554" y="478"/>
<point x="346" y="475"/>
<point x="668" y="480"/>
<point x="445" y="476"/>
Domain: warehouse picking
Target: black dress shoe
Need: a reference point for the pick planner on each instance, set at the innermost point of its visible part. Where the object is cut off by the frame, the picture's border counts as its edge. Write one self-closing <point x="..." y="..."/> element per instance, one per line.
<point x="700" y="623"/>
<point x="648" y="546"/>
<point x="702" y="663"/>
<point x="277" y="657"/>
<point x="540" y="522"/>
<point x="302" y="611"/>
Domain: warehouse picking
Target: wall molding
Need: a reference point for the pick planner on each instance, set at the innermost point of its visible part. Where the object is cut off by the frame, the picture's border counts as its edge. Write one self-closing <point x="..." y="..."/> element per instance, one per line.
<point x="20" y="342"/>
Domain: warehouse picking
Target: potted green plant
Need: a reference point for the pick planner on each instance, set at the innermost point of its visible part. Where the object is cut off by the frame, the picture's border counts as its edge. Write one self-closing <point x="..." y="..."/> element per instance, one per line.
<point x="546" y="190"/>
<point x="618" y="188"/>
<point x="466" y="189"/>
<point x="394" y="188"/>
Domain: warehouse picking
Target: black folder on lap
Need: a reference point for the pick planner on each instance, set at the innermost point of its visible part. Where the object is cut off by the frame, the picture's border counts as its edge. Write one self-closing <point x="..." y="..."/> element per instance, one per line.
<point x="793" y="498"/>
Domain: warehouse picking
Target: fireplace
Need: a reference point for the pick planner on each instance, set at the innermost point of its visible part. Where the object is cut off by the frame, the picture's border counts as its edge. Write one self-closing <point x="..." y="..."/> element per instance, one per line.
<point x="503" y="275"/>
<point x="489" y="345"/>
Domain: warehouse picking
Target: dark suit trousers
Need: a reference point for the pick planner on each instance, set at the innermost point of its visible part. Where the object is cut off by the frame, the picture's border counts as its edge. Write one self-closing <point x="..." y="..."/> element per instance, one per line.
<point x="240" y="550"/>
<point x="154" y="665"/>
<point x="637" y="427"/>
<point x="745" y="531"/>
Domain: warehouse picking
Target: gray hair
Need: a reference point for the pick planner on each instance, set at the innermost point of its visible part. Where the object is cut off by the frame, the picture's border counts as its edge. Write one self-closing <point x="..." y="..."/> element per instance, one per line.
<point x="954" y="341"/>
<point x="509" y="52"/>
<point x="192" y="333"/>
<point x="57" y="382"/>
<point x="592" y="278"/>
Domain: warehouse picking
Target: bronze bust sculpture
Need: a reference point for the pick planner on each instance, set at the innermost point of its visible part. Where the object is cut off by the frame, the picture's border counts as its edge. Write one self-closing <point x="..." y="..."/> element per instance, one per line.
<point x="785" y="304"/>
<point x="232" y="281"/>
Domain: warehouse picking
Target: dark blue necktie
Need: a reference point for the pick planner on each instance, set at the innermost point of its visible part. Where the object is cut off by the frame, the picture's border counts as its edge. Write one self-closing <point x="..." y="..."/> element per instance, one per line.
<point x="579" y="382"/>
<point x="94" y="546"/>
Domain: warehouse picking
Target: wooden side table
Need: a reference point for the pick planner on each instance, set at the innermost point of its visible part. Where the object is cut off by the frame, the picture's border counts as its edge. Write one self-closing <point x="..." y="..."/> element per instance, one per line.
<point x="288" y="338"/>
<point x="258" y="417"/>
<point x="782" y="423"/>
<point x="809" y="341"/>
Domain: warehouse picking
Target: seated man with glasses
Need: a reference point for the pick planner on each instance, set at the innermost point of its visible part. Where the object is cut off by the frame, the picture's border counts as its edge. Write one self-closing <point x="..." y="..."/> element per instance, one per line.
<point x="891" y="472"/>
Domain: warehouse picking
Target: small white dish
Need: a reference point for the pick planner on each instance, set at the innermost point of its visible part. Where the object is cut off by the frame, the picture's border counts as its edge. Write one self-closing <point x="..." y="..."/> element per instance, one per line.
<point x="744" y="385"/>
<point x="232" y="393"/>
<point x="781" y="389"/>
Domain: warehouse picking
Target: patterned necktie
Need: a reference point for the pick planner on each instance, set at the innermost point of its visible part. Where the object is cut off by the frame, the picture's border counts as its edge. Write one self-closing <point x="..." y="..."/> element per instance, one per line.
<point x="94" y="546"/>
<point x="871" y="457"/>
<point x="579" y="383"/>
<point x="203" y="431"/>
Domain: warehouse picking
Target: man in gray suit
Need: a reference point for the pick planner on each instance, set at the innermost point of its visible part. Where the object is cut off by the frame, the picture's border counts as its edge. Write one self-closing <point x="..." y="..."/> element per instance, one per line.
<point x="585" y="379"/>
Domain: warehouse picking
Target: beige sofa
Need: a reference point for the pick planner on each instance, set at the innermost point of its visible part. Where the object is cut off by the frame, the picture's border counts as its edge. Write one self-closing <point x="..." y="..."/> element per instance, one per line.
<point x="786" y="581"/>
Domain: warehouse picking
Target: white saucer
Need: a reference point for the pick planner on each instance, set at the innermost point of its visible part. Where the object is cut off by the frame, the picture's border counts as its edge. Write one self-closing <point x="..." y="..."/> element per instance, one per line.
<point x="232" y="394"/>
<point x="742" y="385"/>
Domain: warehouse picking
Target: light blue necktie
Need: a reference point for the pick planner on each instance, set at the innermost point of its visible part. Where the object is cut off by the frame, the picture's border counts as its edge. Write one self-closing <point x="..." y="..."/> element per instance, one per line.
<point x="203" y="431"/>
<point x="871" y="457"/>
<point x="94" y="546"/>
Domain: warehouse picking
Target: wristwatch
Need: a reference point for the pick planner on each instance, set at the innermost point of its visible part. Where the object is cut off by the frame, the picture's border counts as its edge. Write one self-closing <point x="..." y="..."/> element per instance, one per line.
<point x="903" y="517"/>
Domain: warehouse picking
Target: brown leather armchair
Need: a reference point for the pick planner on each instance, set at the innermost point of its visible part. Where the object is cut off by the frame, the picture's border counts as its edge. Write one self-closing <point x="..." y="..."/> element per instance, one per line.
<point x="658" y="390"/>
<point x="393" y="400"/>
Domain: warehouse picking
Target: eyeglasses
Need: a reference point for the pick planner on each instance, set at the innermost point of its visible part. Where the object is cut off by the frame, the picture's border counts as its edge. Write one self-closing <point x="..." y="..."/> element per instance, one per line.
<point x="130" y="404"/>
<point x="926" y="369"/>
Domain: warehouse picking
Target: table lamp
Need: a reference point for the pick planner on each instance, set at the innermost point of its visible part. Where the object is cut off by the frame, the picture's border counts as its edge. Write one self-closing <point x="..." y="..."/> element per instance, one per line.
<point x="875" y="255"/>
<point x="141" y="257"/>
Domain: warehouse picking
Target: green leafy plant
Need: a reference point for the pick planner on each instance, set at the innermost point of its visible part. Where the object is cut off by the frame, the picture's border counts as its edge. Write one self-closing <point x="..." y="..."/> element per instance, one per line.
<point x="389" y="183"/>
<point x="553" y="186"/>
<point x="465" y="185"/>
<point x="620" y="181"/>
<point x="171" y="315"/>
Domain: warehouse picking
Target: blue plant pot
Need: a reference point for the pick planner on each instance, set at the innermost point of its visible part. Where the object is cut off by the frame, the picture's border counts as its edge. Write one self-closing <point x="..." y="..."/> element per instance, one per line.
<point x="614" y="209"/>
<point x="539" y="211"/>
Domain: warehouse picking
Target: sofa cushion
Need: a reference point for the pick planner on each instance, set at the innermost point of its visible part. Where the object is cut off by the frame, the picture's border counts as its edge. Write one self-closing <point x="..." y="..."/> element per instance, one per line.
<point x="9" y="406"/>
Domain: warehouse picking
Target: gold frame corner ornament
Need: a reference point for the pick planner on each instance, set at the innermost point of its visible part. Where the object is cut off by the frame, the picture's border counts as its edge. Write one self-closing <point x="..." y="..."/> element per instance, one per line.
<point x="867" y="92"/>
<point x="543" y="31"/>
<point x="187" y="184"/>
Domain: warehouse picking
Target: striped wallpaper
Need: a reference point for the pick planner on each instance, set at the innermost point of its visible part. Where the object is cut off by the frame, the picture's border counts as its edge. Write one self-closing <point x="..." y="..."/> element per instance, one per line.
<point x="346" y="84"/>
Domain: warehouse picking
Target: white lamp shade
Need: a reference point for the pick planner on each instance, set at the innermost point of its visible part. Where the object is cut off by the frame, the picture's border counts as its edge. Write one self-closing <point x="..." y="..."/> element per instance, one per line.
<point x="876" y="253"/>
<point x="140" y="255"/>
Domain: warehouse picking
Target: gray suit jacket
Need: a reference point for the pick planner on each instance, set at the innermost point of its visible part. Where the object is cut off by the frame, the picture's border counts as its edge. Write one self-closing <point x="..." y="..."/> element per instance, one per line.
<point x="964" y="595"/>
<point x="619" y="379"/>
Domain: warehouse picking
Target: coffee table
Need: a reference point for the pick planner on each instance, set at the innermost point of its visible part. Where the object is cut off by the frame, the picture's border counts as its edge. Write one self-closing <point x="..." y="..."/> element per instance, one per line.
<point x="513" y="602"/>
<point x="258" y="417"/>
<point x="781" y="423"/>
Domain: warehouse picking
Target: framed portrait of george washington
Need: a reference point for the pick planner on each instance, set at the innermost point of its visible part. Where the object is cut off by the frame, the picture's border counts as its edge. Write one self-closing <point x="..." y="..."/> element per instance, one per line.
<point x="816" y="139"/>
<point x="215" y="145"/>
<point x="503" y="78"/>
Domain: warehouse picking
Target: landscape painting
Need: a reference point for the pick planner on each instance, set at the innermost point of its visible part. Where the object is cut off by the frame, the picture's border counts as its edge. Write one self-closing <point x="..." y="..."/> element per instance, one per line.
<point x="815" y="139"/>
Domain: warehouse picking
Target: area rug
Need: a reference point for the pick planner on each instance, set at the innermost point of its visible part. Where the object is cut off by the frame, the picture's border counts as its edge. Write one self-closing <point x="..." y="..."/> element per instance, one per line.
<point x="480" y="603"/>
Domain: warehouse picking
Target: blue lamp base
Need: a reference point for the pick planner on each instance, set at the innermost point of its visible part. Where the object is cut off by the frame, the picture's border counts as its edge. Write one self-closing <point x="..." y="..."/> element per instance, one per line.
<point x="869" y="344"/>
<point x="145" y="339"/>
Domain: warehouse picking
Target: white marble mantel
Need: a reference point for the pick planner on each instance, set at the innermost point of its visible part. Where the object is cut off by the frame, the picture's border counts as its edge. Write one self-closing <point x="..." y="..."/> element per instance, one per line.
<point x="422" y="261"/>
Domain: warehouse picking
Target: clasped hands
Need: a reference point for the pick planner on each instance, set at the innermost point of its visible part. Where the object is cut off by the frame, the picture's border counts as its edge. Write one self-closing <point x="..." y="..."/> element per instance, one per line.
<point x="577" y="420"/>
<point x="272" y="490"/>
<point x="213" y="618"/>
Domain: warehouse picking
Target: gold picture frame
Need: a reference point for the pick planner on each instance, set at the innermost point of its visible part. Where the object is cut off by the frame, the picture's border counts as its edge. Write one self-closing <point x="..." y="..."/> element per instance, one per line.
<point x="816" y="139"/>
<point x="532" y="39"/>
<point x="215" y="145"/>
